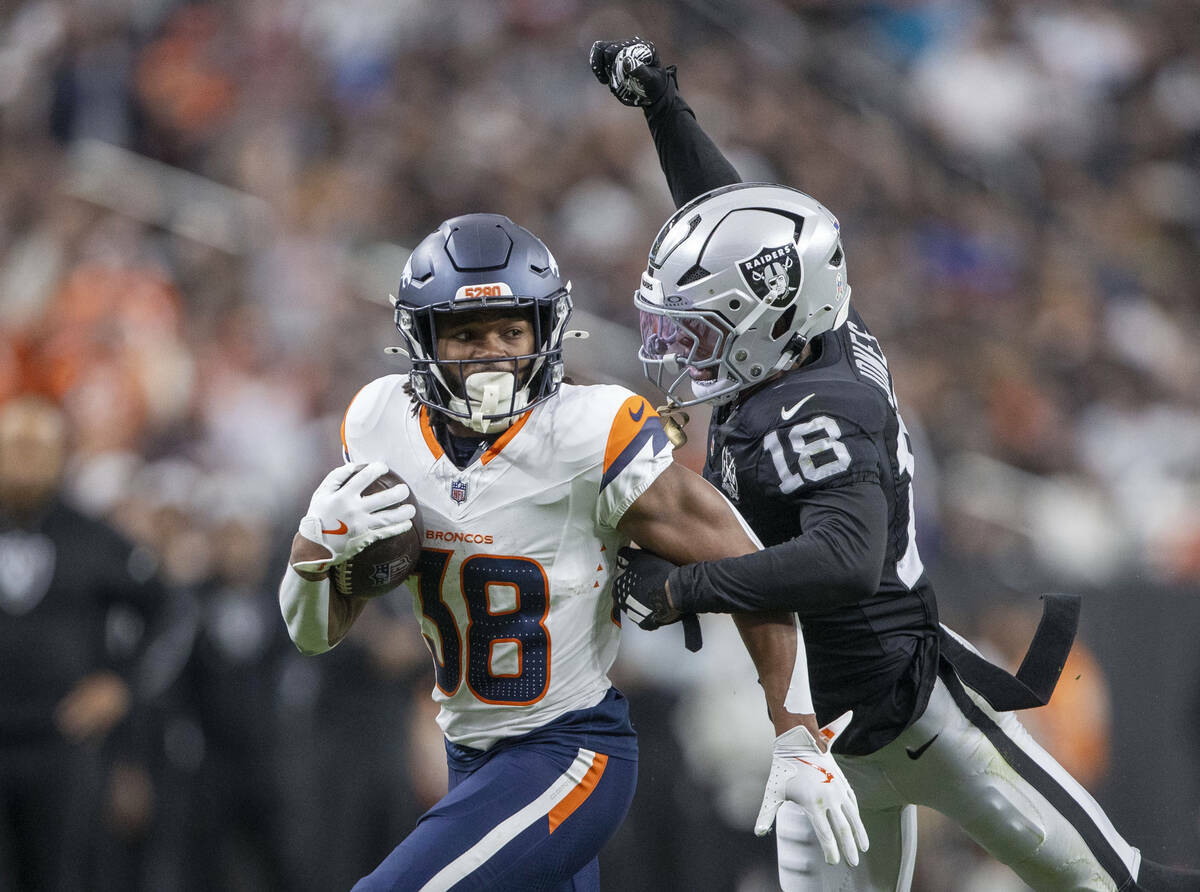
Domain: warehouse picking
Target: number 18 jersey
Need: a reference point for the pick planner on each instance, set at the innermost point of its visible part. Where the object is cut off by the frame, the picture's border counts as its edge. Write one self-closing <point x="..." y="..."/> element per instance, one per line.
<point x="835" y="422"/>
<point x="513" y="592"/>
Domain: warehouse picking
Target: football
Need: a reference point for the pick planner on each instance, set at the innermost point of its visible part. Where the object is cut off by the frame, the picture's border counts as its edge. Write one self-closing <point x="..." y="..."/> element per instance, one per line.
<point x="382" y="566"/>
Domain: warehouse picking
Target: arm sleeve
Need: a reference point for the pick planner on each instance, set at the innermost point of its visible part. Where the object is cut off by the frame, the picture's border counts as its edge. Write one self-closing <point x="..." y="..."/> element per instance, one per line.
<point x="691" y="161"/>
<point x="837" y="560"/>
<point x="305" y="609"/>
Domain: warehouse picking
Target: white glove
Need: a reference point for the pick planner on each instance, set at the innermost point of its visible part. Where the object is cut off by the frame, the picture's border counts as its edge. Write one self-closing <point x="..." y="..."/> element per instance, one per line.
<point x="802" y="774"/>
<point x="343" y="521"/>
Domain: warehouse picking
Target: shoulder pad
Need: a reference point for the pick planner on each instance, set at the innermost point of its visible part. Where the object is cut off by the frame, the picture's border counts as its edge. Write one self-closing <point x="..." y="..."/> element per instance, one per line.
<point x="378" y="400"/>
<point x="592" y="421"/>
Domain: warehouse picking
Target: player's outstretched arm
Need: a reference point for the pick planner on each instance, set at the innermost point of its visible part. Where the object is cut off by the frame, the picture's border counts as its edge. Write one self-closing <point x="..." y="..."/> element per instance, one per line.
<point x="634" y="74"/>
<point x="836" y="561"/>
<point x="340" y="522"/>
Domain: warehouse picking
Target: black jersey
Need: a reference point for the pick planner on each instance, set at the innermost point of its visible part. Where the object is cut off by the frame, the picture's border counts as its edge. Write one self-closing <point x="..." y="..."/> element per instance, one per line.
<point x="62" y="575"/>
<point x="833" y="422"/>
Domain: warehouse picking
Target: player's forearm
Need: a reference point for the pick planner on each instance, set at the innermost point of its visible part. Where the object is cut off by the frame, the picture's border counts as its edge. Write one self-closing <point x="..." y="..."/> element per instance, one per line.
<point x="775" y="645"/>
<point x="317" y="617"/>
<point x="837" y="561"/>
<point x="690" y="160"/>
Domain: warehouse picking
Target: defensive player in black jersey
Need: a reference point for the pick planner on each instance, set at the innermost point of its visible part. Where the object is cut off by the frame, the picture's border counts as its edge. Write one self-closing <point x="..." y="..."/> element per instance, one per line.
<point x="745" y="305"/>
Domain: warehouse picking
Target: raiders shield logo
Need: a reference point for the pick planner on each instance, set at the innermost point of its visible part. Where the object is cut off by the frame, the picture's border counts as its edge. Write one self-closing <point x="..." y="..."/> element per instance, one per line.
<point x="773" y="274"/>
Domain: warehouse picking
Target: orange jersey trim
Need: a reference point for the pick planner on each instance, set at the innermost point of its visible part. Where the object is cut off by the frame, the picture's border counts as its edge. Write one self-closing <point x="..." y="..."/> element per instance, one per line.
<point x="631" y="417"/>
<point x="431" y="439"/>
<point x="495" y="448"/>
<point x="579" y="794"/>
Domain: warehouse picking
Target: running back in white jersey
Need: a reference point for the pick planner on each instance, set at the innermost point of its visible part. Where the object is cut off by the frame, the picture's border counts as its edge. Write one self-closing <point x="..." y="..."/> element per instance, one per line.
<point x="514" y="589"/>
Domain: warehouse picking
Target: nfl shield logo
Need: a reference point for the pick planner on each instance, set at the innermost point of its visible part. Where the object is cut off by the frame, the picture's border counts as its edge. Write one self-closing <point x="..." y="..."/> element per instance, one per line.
<point x="458" y="491"/>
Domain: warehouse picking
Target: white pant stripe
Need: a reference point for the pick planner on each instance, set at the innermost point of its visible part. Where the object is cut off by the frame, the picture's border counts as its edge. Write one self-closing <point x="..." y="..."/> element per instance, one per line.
<point x="511" y="827"/>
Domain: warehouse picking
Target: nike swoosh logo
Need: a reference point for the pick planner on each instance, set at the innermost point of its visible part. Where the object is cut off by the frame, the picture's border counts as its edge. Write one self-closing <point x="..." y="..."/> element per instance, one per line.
<point x="828" y="775"/>
<point x="638" y="416"/>
<point x="920" y="751"/>
<point x="340" y="529"/>
<point x="788" y="413"/>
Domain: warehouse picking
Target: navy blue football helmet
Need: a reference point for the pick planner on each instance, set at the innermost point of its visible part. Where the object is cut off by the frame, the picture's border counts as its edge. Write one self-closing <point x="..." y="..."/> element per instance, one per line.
<point x="482" y="262"/>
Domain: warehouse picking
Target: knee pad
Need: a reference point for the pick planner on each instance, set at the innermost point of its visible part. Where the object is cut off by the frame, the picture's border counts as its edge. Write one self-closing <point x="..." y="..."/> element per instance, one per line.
<point x="1010" y="830"/>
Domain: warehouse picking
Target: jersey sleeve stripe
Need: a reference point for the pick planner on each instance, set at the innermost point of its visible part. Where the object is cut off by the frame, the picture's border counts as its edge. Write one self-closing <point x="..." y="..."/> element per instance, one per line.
<point x="495" y="448"/>
<point x="628" y="424"/>
<point x="650" y="429"/>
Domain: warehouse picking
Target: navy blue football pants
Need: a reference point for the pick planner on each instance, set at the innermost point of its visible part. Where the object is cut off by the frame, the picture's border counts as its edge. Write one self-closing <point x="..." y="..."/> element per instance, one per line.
<point x="532" y="817"/>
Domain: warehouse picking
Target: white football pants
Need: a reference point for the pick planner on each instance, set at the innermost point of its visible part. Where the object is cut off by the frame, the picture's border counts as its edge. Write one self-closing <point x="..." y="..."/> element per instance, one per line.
<point x="982" y="770"/>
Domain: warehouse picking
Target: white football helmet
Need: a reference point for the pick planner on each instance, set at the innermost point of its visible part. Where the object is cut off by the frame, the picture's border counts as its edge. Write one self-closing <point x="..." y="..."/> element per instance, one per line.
<point x="739" y="280"/>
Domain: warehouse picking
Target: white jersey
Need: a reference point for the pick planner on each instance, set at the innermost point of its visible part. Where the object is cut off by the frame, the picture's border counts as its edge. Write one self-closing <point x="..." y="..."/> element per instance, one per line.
<point x="514" y="589"/>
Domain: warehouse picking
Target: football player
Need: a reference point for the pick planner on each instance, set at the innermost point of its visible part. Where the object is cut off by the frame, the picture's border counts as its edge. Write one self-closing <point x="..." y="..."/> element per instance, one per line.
<point x="745" y="305"/>
<point x="529" y="487"/>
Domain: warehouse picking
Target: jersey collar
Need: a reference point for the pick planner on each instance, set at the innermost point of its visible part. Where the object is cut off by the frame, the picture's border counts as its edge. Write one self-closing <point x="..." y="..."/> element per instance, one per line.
<point x="435" y="447"/>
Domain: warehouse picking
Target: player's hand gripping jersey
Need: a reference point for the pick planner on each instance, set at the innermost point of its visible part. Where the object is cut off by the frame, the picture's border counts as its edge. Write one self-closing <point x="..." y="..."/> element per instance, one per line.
<point x="515" y="603"/>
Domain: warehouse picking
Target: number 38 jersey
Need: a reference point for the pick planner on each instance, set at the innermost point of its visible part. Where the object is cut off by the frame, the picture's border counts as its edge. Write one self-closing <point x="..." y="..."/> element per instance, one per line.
<point x="834" y="422"/>
<point x="513" y="593"/>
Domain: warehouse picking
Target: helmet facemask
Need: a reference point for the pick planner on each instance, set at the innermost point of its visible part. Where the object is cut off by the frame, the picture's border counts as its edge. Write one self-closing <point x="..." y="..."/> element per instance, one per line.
<point x="486" y="400"/>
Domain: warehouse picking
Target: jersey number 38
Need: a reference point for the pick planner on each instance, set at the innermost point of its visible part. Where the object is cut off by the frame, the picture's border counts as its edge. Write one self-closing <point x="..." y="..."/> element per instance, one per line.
<point x="506" y="648"/>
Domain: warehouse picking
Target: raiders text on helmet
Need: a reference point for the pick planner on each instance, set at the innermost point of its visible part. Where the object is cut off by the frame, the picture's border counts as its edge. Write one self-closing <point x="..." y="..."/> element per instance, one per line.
<point x="739" y="280"/>
<point x="482" y="262"/>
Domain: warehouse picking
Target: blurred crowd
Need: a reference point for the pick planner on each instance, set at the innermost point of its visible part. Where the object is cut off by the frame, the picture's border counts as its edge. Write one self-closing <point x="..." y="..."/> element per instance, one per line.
<point x="203" y="205"/>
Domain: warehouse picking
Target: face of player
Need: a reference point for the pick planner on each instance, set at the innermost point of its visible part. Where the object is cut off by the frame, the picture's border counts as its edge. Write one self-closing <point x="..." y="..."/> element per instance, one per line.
<point x="485" y="341"/>
<point x="33" y="452"/>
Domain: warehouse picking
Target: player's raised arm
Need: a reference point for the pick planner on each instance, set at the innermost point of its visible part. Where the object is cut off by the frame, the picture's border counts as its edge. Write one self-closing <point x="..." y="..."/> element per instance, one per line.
<point x="684" y="519"/>
<point x="691" y="161"/>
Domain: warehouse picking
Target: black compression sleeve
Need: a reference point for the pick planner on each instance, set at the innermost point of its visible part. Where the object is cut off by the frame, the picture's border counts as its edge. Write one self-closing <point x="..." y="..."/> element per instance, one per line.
<point x="691" y="161"/>
<point x="837" y="560"/>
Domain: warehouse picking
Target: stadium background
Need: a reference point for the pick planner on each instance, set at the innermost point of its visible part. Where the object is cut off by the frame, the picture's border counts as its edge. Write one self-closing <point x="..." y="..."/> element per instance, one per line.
<point x="203" y="206"/>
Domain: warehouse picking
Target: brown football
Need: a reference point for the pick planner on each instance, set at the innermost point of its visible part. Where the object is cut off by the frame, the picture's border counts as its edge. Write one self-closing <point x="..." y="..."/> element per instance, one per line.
<point x="382" y="566"/>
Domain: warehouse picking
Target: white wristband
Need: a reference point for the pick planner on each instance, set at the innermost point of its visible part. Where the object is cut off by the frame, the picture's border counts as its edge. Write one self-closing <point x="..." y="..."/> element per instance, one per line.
<point x="799" y="696"/>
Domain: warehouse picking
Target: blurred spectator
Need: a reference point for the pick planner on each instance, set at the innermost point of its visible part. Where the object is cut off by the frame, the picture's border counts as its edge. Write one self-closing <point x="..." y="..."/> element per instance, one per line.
<point x="223" y="724"/>
<point x="75" y="601"/>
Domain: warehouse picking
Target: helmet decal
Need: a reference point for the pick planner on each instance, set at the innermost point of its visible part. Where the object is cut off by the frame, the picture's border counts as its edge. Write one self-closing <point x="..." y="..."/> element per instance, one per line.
<point x="773" y="274"/>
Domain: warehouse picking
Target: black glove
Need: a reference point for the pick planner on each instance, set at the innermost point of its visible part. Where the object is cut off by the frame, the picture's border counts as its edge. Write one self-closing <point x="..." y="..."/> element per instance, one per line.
<point x="630" y="69"/>
<point x="640" y="592"/>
